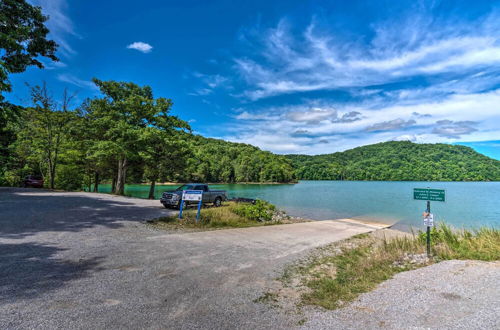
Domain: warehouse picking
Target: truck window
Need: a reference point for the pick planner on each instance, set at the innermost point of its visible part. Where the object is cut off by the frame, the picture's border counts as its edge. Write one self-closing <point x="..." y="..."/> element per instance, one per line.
<point x="186" y="187"/>
<point x="200" y="187"/>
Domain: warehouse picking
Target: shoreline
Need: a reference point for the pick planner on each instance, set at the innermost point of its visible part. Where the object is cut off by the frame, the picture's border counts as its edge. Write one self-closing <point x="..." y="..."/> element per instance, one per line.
<point x="209" y="183"/>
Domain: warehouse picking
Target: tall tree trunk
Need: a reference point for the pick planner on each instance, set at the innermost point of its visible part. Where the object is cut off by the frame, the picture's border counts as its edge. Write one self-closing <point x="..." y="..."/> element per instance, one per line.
<point x="152" y="190"/>
<point x="120" y="180"/>
<point x="52" y="174"/>
<point x="96" y="181"/>
<point x="113" y="184"/>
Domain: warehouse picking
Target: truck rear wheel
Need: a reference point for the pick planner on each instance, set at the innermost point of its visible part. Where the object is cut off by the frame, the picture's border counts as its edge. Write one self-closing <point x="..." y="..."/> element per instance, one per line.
<point x="218" y="202"/>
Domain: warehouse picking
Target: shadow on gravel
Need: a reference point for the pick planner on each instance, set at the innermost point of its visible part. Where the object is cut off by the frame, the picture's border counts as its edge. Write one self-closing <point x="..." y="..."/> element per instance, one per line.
<point x="25" y="215"/>
<point x="28" y="270"/>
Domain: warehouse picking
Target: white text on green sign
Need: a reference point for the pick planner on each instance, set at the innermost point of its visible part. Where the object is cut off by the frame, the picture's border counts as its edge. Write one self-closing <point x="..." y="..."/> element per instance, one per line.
<point x="426" y="194"/>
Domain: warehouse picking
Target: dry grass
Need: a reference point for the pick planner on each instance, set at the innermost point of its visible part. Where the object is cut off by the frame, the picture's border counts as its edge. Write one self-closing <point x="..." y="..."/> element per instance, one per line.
<point x="226" y="216"/>
<point x="343" y="271"/>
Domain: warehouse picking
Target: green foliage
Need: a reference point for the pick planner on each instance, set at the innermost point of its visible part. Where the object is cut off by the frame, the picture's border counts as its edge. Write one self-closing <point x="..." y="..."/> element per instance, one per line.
<point x="125" y="136"/>
<point x="69" y="177"/>
<point x="446" y="243"/>
<point x="260" y="211"/>
<point x="22" y="39"/>
<point x="356" y="273"/>
<point x="221" y="161"/>
<point x="9" y="122"/>
<point x="164" y="154"/>
<point x="227" y="216"/>
<point x="127" y="119"/>
<point x="399" y="161"/>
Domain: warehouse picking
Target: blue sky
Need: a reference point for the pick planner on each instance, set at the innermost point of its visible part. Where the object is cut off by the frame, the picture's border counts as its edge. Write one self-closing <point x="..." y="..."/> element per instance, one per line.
<point x="293" y="76"/>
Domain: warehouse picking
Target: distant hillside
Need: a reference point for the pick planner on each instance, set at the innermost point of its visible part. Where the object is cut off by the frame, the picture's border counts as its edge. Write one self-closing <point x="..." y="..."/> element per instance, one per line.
<point x="399" y="161"/>
<point x="214" y="160"/>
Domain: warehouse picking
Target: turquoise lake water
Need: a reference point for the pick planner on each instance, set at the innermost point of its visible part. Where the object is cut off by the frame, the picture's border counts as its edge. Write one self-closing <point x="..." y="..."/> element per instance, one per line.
<point x="468" y="204"/>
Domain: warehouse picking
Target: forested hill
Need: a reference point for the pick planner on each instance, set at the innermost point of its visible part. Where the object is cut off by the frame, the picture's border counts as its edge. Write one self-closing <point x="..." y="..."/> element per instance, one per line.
<point x="399" y="161"/>
<point x="214" y="160"/>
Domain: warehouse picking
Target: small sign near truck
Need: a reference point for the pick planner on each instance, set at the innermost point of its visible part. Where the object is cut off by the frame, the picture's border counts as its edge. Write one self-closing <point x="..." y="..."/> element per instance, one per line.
<point x="192" y="195"/>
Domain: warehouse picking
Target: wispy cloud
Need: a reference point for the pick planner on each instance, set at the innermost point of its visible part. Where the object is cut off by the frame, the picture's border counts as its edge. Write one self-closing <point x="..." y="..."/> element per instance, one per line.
<point x="417" y="44"/>
<point x="53" y="65"/>
<point x="73" y="80"/>
<point x="60" y="24"/>
<point x="208" y="82"/>
<point x="143" y="47"/>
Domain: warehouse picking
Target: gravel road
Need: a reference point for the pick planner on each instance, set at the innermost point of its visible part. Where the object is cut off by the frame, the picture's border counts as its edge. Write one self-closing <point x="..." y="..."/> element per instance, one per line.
<point x="86" y="261"/>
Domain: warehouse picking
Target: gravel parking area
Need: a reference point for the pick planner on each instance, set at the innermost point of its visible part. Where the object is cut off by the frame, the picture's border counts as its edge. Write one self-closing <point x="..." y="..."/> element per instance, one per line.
<point x="87" y="261"/>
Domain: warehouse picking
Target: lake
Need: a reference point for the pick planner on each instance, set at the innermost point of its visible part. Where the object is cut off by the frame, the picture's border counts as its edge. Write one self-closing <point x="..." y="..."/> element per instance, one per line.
<point x="468" y="204"/>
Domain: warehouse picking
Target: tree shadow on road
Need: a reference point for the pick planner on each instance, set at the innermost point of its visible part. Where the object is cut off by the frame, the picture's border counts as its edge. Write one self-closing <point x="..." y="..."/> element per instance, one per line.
<point x="28" y="270"/>
<point x="23" y="215"/>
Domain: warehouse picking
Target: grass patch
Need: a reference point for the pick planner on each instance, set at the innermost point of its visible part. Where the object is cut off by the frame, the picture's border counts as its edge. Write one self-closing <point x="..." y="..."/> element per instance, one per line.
<point x="229" y="215"/>
<point x="267" y="298"/>
<point x="482" y="244"/>
<point x="338" y="277"/>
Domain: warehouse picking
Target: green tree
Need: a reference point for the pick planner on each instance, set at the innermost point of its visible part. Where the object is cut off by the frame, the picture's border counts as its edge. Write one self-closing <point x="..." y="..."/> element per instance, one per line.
<point x="23" y="39"/>
<point x="47" y="129"/>
<point x="164" y="155"/>
<point x="22" y="42"/>
<point x="123" y="114"/>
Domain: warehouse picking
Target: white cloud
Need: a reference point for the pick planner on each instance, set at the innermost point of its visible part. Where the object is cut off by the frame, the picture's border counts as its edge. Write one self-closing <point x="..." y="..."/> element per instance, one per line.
<point x="143" y="47"/>
<point x="451" y="129"/>
<point x="73" y="80"/>
<point x="245" y="115"/>
<point x="313" y="116"/>
<point x="415" y="45"/>
<point x="209" y="83"/>
<point x="395" y="124"/>
<point x="53" y="65"/>
<point x="406" y="137"/>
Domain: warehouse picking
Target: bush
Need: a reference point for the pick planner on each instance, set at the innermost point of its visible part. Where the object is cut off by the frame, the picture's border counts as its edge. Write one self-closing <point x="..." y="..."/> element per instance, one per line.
<point x="14" y="178"/>
<point x="231" y="215"/>
<point x="69" y="177"/>
<point x="260" y="211"/>
<point x="447" y="243"/>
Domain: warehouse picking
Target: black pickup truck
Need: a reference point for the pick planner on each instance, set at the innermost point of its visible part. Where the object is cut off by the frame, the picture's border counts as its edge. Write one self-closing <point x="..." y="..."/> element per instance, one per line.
<point x="171" y="199"/>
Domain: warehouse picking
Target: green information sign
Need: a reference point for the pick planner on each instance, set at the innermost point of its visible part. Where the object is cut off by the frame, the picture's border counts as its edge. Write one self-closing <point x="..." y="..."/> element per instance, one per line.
<point x="426" y="194"/>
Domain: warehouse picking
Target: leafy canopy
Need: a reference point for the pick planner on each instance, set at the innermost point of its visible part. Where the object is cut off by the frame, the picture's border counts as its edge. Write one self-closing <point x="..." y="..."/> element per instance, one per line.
<point x="22" y="39"/>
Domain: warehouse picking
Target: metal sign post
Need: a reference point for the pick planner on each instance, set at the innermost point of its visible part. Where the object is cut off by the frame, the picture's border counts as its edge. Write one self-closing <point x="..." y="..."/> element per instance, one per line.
<point x="194" y="196"/>
<point x="428" y="224"/>
<point x="199" y="209"/>
<point x="437" y="195"/>
<point x="180" y="209"/>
